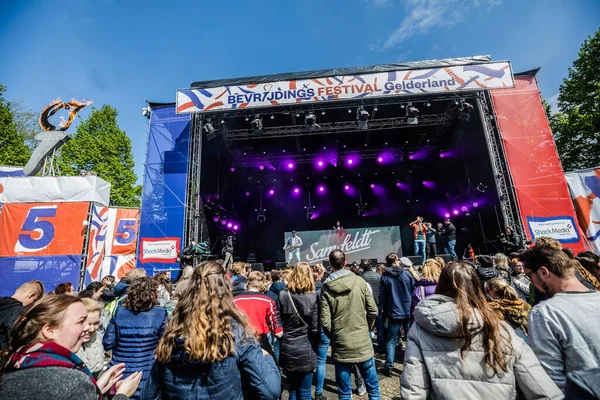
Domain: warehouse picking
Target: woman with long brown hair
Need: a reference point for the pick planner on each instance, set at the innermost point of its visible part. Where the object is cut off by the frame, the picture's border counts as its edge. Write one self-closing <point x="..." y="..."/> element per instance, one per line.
<point x="507" y="304"/>
<point x="458" y="348"/>
<point x="135" y="329"/>
<point x="298" y="308"/>
<point x="209" y="350"/>
<point x="40" y="362"/>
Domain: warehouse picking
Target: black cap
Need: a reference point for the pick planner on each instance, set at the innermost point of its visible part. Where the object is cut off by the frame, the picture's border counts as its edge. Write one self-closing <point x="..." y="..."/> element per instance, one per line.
<point x="293" y="231"/>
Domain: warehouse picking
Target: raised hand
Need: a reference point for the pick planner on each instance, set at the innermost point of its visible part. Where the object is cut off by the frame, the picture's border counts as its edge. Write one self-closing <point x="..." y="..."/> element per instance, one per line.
<point x="110" y="377"/>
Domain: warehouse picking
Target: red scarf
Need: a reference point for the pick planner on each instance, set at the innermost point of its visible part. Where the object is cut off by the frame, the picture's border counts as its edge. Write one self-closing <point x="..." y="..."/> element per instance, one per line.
<point x="47" y="354"/>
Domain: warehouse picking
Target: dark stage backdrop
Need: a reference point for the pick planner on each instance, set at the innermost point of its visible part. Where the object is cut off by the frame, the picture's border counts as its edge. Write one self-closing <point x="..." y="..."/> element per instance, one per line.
<point x="357" y="243"/>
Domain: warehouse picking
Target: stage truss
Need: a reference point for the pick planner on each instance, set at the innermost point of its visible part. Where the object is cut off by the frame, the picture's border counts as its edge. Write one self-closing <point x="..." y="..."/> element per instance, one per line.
<point x="196" y="228"/>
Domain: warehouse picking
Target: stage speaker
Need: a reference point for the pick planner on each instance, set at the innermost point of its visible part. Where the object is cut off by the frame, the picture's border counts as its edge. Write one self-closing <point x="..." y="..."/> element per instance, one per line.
<point x="258" y="267"/>
<point x="280" y="265"/>
<point x="416" y="260"/>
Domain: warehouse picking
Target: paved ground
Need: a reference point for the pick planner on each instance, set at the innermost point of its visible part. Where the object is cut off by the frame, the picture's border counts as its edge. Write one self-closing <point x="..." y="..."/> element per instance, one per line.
<point x="388" y="387"/>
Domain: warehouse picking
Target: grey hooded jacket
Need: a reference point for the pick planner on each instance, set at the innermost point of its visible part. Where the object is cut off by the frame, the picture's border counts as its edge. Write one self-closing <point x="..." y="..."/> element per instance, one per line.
<point x="434" y="369"/>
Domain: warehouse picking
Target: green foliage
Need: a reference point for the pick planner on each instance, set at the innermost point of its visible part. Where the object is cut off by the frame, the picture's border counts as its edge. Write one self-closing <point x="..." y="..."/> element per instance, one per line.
<point x="13" y="150"/>
<point x="102" y="147"/>
<point x="26" y="121"/>
<point x="577" y="126"/>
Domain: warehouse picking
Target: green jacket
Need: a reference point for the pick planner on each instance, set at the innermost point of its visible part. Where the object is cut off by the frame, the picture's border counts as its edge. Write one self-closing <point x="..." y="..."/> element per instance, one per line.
<point x="348" y="313"/>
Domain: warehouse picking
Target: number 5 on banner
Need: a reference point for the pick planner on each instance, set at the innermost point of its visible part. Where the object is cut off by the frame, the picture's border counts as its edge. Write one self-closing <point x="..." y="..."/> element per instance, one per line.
<point x="44" y="229"/>
<point x="125" y="233"/>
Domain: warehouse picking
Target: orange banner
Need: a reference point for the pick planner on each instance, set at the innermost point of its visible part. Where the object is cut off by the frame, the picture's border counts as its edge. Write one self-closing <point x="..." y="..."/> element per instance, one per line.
<point x="125" y="232"/>
<point x="42" y="228"/>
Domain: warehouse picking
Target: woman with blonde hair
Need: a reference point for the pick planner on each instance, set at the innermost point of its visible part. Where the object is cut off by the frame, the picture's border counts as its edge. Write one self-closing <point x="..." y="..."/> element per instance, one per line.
<point x="41" y="363"/>
<point x="260" y="309"/>
<point x="92" y="351"/>
<point x="209" y="349"/>
<point x="425" y="286"/>
<point x="298" y="305"/>
<point x="458" y="348"/>
<point x="507" y="304"/>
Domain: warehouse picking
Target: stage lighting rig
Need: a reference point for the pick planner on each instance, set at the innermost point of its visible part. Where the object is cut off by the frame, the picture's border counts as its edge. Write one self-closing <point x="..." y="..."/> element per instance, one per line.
<point x="465" y="111"/>
<point x="310" y="212"/>
<point x="362" y="210"/>
<point x="310" y="120"/>
<point x="256" y="125"/>
<point x="209" y="129"/>
<point x="412" y="115"/>
<point x="362" y="119"/>
<point x="481" y="187"/>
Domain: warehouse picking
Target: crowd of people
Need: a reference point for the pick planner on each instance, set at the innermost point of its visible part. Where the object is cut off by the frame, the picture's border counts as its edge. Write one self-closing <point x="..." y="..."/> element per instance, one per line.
<point x="502" y="327"/>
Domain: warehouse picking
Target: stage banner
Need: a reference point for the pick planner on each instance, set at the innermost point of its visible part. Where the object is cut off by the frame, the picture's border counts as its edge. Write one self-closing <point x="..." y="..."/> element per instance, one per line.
<point x="544" y="201"/>
<point x="163" y="250"/>
<point x="122" y="232"/>
<point x="344" y="87"/>
<point x="358" y="243"/>
<point x="118" y="266"/>
<point x="585" y="191"/>
<point x="43" y="189"/>
<point x="51" y="270"/>
<point x="96" y="242"/>
<point x="34" y="229"/>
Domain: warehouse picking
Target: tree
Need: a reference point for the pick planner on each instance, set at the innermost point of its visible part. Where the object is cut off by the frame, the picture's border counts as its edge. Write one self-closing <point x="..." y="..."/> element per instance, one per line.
<point x="576" y="126"/>
<point x="13" y="150"/>
<point x="102" y="147"/>
<point x="26" y="121"/>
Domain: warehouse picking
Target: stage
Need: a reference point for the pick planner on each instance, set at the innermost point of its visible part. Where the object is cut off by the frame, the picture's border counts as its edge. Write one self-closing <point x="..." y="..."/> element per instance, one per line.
<point x="371" y="146"/>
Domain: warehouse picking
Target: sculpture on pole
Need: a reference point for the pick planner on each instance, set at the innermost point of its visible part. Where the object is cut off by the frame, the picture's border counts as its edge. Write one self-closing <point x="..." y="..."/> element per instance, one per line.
<point x="52" y="137"/>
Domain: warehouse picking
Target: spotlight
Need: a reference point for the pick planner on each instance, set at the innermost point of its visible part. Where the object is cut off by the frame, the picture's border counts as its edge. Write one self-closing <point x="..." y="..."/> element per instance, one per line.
<point x="236" y="227"/>
<point x="256" y="126"/>
<point x="349" y="111"/>
<point x="361" y="210"/>
<point x="232" y="169"/>
<point x="402" y="106"/>
<point x="323" y="112"/>
<point x="447" y="215"/>
<point x="379" y="159"/>
<point x="310" y="120"/>
<point x="222" y="121"/>
<point x="209" y="129"/>
<point x="320" y="163"/>
<point x="428" y="104"/>
<point x="247" y="119"/>
<point x="262" y="167"/>
<point x="375" y="109"/>
<point x="412" y="115"/>
<point x="481" y="187"/>
<point x="297" y="115"/>
<point x="372" y="186"/>
<point x="223" y="222"/>
<point x="455" y="212"/>
<point x="464" y="209"/>
<point x="346" y="187"/>
<point x="271" y="192"/>
<point x="321" y="189"/>
<point x="216" y="218"/>
<point x="272" y="116"/>
<point x="350" y="161"/>
<point x="290" y="165"/>
<point x="296" y="190"/>
<point x="475" y="204"/>
<point x="362" y="118"/>
<point x="146" y="112"/>
<point x="247" y="194"/>
<point x="465" y="111"/>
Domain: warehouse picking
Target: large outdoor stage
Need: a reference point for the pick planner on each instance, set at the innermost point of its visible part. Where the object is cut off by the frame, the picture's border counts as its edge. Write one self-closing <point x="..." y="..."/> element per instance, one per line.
<point x="372" y="147"/>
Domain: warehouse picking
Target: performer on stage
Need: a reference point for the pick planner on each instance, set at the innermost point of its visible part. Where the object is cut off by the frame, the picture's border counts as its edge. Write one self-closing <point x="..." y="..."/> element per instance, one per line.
<point x="338" y="226"/>
<point x="292" y="246"/>
<point x="420" y="236"/>
<point x="512" y="241"/>
<point x="228" y="241"/>
<point x="449" y="231"/>
<point x="431" y="243"/>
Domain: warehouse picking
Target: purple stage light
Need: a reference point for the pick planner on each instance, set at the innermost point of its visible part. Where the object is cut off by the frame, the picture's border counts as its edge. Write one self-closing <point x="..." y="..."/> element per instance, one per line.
<point x="262" y="167"/>
<point x="372" y="186"/>
<point x="216" y="219"/>
<point x="442" y="155"/>
<point x="247" y="194"/>
<point x="379" y="159"/>
<point x="447" y="215"/>
<point x="290" y="165"/>
<point x="223" y="222"/>
<point x="229" y="225"/>
<point x="271" y="192"/>
<point x="411" y="157"/>
<point x="346" y="187"/>
<point x="235" y="227"/>
<point x="464" y="209"/>
<point x="321" y="189"/>
<point x="296" y="190"/>
<point x="455" y="212"/>
<point x="320" y="163"/>
<point x="429" y="184"/>
<point x="232" y="169"/>
<point x="398" y="184"/>
<point x="350" y="161"/>
<point x="475" y="204"/>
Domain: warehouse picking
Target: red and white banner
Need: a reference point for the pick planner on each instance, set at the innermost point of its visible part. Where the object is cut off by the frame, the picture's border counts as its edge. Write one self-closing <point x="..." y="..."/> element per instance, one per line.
<point x="345" y="87"/>
<point x="542" y="193"/>
<point x="159" y="250"/>
<point x="585" y="191"/>
<point x="35" y="229"/>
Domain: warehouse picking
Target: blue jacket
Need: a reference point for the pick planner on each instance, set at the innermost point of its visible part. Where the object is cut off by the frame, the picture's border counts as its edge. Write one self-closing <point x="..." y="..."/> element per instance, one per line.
<point x="133" y="338"/>
<point x="397" y="285"/>
<point x="247" y="374"/>
<point x="274" y="290"/>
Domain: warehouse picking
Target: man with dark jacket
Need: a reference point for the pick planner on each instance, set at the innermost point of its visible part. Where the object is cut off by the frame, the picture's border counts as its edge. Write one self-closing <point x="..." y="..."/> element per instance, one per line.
<point x="431" y="242"/>
<point x="511" y="241"/>
<point x="348" y="313"/>
<point x="397" y="285"/>
<point x="449" y="231"/>
<point x="12" y="307"/>
<point x="374" y="280"/>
